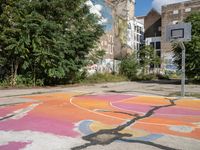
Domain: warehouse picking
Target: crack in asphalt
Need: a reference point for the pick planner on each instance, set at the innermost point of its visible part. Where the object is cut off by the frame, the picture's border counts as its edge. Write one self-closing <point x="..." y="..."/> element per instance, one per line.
<point x="7" y="117"/>
<point x="119" y="112"/>
<point x="19" y="112"/>
<point x="107" y="136"/>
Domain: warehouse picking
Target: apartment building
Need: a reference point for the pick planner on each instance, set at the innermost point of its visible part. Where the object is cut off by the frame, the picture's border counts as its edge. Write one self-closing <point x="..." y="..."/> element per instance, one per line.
<point x="152" y="26"/>
<point x="107" y="44"/>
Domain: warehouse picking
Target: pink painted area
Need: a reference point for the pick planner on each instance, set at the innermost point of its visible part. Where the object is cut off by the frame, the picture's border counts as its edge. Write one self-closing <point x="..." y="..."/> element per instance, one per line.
<point x="108" y="97"/>
<point x="133" y="107"/>
<point x="178" y="111"/>
<point x="10" y="109"/>
<point x="14" y="146"/>
<point x="41" y="124"/>
<point x="146" y="108"/>
<point x="5" y="111"/>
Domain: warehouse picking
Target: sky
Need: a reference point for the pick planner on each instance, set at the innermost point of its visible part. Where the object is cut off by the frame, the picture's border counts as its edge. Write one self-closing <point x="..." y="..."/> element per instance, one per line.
<point x="143" y="6"/>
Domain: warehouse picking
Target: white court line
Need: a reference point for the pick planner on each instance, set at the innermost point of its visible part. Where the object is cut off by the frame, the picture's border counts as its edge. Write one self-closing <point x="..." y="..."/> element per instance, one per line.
<point x="71" y="102"/>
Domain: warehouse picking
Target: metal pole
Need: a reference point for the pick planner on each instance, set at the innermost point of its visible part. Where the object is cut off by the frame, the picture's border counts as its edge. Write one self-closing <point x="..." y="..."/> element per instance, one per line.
<point x="183" y="70"/>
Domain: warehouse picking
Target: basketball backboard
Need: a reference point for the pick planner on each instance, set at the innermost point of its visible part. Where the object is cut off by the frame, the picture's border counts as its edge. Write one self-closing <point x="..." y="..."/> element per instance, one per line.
<point x="178" y="32"/>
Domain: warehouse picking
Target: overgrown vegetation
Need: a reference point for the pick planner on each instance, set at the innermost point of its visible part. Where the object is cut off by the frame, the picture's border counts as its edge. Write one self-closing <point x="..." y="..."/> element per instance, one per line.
<point x="148" y="59"/>
<point x="45" y="42"/>
<point x="103" y="78"/>
<point x="138" y="69"/>
<point x="129" y="67"/>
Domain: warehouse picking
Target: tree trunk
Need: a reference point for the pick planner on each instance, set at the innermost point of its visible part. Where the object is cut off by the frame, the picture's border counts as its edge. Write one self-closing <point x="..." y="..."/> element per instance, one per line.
<point x="12" y="73"/>
<point x="15" y="72"/>
<point x="14" y="68"/>
<point x="34" y="76"/>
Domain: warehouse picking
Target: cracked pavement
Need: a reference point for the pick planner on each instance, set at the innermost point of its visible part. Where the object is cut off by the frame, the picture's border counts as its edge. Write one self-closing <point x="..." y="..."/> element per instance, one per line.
<point x="98" y="117"/>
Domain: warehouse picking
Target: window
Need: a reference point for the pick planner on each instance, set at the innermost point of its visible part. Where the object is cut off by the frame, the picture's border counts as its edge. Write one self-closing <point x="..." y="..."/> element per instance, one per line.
<point x="129" y="26"/>
<point x="157" y="45"/>
<point x="138" y="46"/>
<point x="135" y="46"/>
<point x="175" y="12"/>
<point x="109" y="48"/>
<point x="159" y="28"/>
<point x="135" y="37"/>
<point x="138" y="38"/>
<point x="152" y="44"/>
<point x="135" y="28"/>
<point x="140" y="30"/>
<point x="158" y="53"/>
<point x="188" y="10"/>
<point x="112" y="47"/>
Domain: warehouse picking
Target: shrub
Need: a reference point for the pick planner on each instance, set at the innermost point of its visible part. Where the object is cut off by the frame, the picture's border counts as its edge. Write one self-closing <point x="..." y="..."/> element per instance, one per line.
<point x="129" y="67"/>
<point x="163" y="76"/>
<point x="105" y="77"/>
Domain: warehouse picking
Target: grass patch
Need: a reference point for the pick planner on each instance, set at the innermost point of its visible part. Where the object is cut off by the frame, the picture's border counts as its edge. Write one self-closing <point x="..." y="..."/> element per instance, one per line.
<point x="197" y="95"/>
<point x="102" y="78"/>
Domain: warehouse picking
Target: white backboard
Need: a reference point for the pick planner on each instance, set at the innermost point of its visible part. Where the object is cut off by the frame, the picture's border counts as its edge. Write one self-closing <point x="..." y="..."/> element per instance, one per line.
<point x="178" y="32"/>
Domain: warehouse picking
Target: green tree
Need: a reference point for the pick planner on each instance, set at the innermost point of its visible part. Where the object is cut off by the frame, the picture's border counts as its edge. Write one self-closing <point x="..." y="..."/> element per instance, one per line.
<point x="97" y="55"/>
<point x="48" y="40"/>
<point x="129" y="67"/>
<point x="192" y="49"/>
<point x="147" y="58"/>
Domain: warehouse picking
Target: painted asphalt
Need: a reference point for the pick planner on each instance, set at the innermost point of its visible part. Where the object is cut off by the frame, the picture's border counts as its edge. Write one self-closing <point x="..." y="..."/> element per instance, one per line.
<point x="58" y="121"/>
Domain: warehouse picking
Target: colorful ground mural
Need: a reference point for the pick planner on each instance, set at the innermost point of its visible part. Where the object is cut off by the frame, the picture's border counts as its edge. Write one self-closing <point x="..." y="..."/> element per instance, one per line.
<point x="79" y="121"/>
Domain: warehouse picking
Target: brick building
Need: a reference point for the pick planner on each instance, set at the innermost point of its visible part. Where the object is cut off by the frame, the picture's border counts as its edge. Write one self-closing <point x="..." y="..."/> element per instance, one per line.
<point x="107" y="44"/>
<point x="152" y="26"/>
<point x="172" y="14"/>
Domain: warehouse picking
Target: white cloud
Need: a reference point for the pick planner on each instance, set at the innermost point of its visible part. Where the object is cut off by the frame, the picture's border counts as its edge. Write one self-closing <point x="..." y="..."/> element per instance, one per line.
<point x="96" y="9"/>
<point x="157" y="4"/>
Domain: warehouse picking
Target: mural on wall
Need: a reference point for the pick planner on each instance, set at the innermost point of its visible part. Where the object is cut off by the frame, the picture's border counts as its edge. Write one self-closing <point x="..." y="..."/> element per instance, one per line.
<point x="76" y="121"/>
<point x="114" y="15"/>
<point x="169" y="64"/>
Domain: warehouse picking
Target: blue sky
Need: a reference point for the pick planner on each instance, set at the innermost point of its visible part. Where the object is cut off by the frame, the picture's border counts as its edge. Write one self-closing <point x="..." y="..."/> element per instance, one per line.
<point x="142" y="7"/>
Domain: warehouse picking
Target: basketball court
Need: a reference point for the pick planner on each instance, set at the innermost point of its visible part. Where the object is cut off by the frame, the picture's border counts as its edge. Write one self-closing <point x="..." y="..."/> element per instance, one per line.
<point x="69" y="120"/>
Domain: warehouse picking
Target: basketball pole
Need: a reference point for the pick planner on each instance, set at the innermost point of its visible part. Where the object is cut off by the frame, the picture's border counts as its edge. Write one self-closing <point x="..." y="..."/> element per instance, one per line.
<point x="183" y="69"/>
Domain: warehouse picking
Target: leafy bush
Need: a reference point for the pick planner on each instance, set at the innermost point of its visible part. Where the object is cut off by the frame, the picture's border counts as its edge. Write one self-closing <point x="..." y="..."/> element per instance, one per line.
<point x="22" y="81"/>
<point x="4" y="83"/>
<point x="163" y="76"/>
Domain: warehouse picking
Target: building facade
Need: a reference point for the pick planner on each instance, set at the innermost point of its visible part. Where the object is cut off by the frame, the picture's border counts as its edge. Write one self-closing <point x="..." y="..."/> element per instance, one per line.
<point x="152" y="25"/>
<point x="172" y="14"/>
<point x="123" y="32"/>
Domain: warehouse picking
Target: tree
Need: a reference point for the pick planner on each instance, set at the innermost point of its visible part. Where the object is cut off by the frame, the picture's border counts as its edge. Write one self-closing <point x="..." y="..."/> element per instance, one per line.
<point x="48" y="40"/>
<point x="192" y="49"/>
<point x="148" y="58"/>
<point x="129" y="66"/>
<point x="97" y="55"/>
